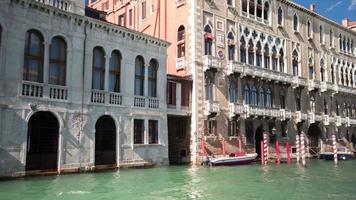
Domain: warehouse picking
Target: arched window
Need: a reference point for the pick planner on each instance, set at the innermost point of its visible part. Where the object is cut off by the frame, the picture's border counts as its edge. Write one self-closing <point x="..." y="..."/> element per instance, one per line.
<point x="266" y="57"/>
<point x="233" y="91"/>
<point x="259" y="9"/>
<point x="58" y="61"/>
<point x="321" y="34"/>
<point x="295" y="23"/>
<point x="181" y="42"/>
<point x="295" y="63"/>
<point x="251" y="53"/>
<point x="274" y="59"/>
<point x="231" y="46"/>
<point x="337" y="106"/>
<point x="254" y="96"/>
<point x="322" y="70"/>
<point x="269" y="98"/>
<point x="326" y="108"/>
<point x="280" y="16"/>
<point x="244" y="5"/>
<point x="98" y="68"/>
<point x="33" y="58"/>
<point x="252" y="7"/>
<point x="310" y="29"/>
<point x="114" y="71"/>
<point x="152" y="78"/>
<point x="344" y="44"/>
<point x="298" y="103"/>
<point x="266" y="12"/>
<point x="208" y="40"/>
<point x="139" y="76"/>
<point x="348" y="45"/>
<point x="259" y="54"/>
<point x="281" y="60"/>
<point x="331" y="38"/>
<point x="342" y="76"/>
<point x="242" y="50"/>
<point x="340" y="42"/>
<point x="246" y="94"/>
<point x="332" y="74"/>
<point x="282" y="99"/>
<point x="261" y="97"/>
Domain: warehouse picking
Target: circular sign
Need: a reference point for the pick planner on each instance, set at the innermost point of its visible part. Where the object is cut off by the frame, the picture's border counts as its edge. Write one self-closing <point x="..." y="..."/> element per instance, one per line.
<point x="221" y="54"/>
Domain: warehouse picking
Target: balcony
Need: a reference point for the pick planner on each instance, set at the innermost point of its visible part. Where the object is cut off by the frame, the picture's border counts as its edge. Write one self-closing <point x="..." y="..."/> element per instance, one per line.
<point x="298" y="116"/>
<point x="326" y="119"/>
<point x="180" y="63"/>
<point x="234" y="67"/>
<point x="257" y="111"/>
<point x="44" y="91"/>
<point x="298" y="82"/>
<point x="323" y="87"/>
<point x="311" y="85"/>
<point x="211" y="107"/>
<point x="311" y="117"/>
<point x="105" y="97"/>
<point x="338" y="121"/>
<point x="235" y="109"/>
<point x="211" y="62"/>
<point x="65" y="5"/>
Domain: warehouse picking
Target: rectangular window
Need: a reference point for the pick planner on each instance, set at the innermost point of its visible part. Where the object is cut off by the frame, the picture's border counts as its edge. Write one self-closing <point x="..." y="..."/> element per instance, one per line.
<point x="185" y="94"/>
<point x="233" y="128"/>
<point x="122" y="20"/>
<point x="171" y="95"/>
<point x="210" y="126"/>
<point x="143" y="10"/>
<point x="130" y="17"/>
<point x="139" y="130"/>
<point x="153" y="131"/>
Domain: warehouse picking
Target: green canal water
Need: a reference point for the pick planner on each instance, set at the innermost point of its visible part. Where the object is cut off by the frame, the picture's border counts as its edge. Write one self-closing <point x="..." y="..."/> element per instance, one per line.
<point x="320" y="180"/>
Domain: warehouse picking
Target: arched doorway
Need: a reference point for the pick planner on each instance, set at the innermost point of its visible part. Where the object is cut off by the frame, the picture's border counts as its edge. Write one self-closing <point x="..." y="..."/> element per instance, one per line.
<point x="258" y="139"/>
<point x="42" y="142"/>
<point x="314" y="133"/>
<point x="105" y="141"/>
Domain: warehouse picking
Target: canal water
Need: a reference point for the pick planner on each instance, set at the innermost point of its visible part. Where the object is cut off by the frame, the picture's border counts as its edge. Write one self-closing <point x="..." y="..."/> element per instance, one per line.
<point x="320" y="180"/>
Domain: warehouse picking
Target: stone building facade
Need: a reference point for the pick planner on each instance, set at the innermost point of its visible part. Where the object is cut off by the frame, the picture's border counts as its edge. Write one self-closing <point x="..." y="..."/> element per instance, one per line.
<point x="256" y="66"/>
<point x="77" y="93"/>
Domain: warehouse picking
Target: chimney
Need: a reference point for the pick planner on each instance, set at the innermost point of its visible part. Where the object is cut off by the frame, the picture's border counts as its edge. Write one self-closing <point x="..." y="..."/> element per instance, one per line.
<point x="345" y="22"/>
<point x="312" y="7"/>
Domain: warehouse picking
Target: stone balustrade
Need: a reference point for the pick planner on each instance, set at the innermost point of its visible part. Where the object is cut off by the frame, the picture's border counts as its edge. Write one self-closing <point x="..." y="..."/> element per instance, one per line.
<point x="44" y="91"/>
<point x="211" y="62"/>
<point x="211" y="107"/>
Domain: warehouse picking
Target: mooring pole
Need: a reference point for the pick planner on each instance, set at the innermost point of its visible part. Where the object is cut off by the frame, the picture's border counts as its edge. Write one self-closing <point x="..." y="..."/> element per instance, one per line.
<point x="303" y="149"/>
<point x="288" y="153"/>
<point x="334" y="148"/>
<point x="262" y="154"/>
<point x="297" y="147"/>
<point x="265" y="148"/>
<point x="278" y="161"/>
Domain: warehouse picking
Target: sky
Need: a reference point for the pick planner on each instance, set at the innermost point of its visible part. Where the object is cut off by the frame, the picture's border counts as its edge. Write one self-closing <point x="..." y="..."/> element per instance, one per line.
<point x="335" y="10"/>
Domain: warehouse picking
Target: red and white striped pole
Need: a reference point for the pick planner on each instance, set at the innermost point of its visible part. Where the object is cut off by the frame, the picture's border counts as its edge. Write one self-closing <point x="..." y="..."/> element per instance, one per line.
<point x="302" y="148"/>
<point x="265" y="148"/>
<point x="334" y="149"/>
<point x="297" y="147"/>
<point x="262" y="154"/>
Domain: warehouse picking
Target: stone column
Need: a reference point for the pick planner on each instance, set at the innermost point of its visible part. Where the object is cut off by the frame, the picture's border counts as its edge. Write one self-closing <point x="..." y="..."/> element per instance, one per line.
<point x="106" y="76"/>
<point x="46" y="62"/>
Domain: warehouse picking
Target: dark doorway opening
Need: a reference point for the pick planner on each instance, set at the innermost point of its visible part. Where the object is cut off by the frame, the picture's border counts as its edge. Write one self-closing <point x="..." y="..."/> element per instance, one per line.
<point x="42" y="142"/>
<point x="258" y="140"/>
<point x="105" y="141"/>
<point x="314" y="133"/>
<point x="178" y="140"/>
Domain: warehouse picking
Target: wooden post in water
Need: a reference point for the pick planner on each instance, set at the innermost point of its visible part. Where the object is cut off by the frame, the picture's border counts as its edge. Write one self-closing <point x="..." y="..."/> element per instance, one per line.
<point x="297" y="147"/>
<point x="278" y="160"/>
<point x="288" y="153"/>
<point x="302" y="144"/>
<point x="240" y="147"/>
<point x="334" y="148"/>
<point x="223" y="146"/>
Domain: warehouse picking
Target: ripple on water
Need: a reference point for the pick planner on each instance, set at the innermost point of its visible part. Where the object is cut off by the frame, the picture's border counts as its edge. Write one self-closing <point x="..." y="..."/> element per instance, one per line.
<point x="319" y="180"/>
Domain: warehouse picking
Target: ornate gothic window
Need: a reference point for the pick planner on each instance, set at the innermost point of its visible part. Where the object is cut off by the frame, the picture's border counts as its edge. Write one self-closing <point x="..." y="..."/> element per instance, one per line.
<point x="231" y="46"/>
<point x="261" y="97"/>
<point x="246" y="94"/>
<point x="266" y="12"/>
<point x="259" y="9"/>
<point x="269" y="98"/>
<point x="322" y="70"/>
<point x="295" y="23"/>
<point x="274" y="59"/>
<point x="242" y="50"/>
<point x="281" y="60"/>
<point x="280" y="16"/>
<point x="259" y="54"/>
<point x="295" y="63"/>
<point x="208" y="40"/>
<point x="254" y="96"/>
<point x="266" y="57"/>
